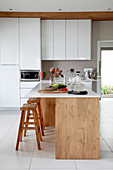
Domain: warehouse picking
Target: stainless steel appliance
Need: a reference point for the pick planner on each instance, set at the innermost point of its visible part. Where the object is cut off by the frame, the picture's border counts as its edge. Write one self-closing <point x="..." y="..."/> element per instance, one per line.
<point x="30" y="75"/>
<point x="90" y="73"/>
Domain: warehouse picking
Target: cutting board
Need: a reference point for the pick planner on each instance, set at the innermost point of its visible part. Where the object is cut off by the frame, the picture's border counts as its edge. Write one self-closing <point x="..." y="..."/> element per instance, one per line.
<point x="54" y="92"/>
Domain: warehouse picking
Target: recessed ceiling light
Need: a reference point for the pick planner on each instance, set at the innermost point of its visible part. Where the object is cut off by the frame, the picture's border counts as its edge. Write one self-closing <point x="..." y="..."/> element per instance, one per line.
<point x="109" y="9"/>
<point x="60" y="9"/>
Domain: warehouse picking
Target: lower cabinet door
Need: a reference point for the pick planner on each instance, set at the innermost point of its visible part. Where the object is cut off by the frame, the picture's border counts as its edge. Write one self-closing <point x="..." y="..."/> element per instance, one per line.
<point x="23" y="101"/>
<point x="10" y="86"/>
<point x="23" y="92"/>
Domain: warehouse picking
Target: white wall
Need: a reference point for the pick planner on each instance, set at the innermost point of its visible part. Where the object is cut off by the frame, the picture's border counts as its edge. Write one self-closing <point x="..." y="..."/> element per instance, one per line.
<point x="101" y="30"/>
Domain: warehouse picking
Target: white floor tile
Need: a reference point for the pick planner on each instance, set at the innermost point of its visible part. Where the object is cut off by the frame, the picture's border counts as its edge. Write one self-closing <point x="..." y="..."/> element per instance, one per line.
<point x="109" y="142"/>
<point x="103" y="146"/>
<point x="51" y="169"/>
<point x="14" y="161"/>
<point x="26" y="148"/>
<point x="94" y="169"/>
<point x="105" y="162"/>
<point x="94" y="164"/>
<point x="14" y="169"/>
<point x="52" y="163"/>
<point x="106" y="130"/>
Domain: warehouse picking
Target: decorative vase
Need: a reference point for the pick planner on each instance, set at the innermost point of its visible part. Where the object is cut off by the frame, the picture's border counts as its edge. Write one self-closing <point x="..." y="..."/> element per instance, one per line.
<point x="52" y="80"/>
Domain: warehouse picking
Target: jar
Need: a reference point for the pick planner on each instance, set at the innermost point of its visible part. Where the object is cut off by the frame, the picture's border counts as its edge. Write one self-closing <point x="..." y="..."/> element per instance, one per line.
<point x="69" y="76"/>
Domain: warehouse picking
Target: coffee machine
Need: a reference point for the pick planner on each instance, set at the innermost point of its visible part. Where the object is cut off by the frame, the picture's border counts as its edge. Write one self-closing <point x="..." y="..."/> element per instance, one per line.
<point x="89" y="73"/>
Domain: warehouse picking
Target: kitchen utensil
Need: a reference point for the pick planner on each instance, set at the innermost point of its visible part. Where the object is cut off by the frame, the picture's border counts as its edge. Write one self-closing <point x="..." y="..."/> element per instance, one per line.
<point x="77" y="92"/>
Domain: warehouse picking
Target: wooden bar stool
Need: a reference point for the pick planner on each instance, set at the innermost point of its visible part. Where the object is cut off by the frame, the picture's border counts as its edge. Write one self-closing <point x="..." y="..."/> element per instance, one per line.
<point x="30" y="116"/>
<point x="37" y="101"/>
<point x="27" y="108"/>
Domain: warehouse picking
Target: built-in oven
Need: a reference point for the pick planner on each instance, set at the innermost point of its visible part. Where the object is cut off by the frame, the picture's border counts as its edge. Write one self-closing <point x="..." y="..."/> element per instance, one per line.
<point x="30" y="75"/>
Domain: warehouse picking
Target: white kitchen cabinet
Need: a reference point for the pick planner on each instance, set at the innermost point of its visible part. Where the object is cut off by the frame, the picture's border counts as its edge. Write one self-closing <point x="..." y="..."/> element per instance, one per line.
<point x="9" y="43"/>
<point x="47" y="39"/>
<point x="10" y="86"/>
<point x="23" y="92"/>
<point x="30" y="57"/>
<point x="59" y="39"/>
<point x="84" y="39"/>
<point x="23" y="101"/>
<point x="0" y="89"/>
<point x="71" y="39"/>
<point x="26" y="87"/>
<point x="66" y="39"/>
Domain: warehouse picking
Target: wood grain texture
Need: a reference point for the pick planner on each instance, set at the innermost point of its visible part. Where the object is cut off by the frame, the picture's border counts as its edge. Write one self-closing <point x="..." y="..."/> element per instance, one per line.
<point x="57" y="91"/>
<point x="95" y="16"/>
<point x="77" y="128"/>
<point x="48" y="111"/>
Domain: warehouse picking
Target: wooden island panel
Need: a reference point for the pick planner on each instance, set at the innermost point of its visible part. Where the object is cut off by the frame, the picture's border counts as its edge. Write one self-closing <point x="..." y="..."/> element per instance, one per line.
<point x="48" y="111"/>
<point x="77" y="128"/>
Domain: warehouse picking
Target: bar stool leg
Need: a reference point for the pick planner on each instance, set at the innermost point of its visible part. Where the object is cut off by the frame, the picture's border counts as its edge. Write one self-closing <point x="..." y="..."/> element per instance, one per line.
<point x="43" y="124"/>
<point x="27" y="120"/>
<point x="21" y="133"/>
<point x="42" y="120"/>
<point x="40" y="115"/>
<point x="39" y="131"/>
<point x="20" y="129"/>
<point x="36" y="128"/>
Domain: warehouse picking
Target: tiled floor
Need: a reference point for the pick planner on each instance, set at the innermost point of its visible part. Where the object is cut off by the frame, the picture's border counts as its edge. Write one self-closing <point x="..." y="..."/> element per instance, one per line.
<point x="29" y="158"/>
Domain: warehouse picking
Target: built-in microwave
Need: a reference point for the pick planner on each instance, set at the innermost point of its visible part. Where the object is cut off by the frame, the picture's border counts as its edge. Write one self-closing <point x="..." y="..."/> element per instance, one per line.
<point x="30" y="75"/>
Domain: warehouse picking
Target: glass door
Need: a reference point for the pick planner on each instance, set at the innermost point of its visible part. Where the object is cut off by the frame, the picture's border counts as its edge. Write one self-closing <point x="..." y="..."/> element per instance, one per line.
<point x="107" y="73"/>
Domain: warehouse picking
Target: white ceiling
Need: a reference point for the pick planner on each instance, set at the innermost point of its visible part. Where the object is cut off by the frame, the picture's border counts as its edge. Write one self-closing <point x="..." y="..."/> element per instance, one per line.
<point x="54" y="5"/>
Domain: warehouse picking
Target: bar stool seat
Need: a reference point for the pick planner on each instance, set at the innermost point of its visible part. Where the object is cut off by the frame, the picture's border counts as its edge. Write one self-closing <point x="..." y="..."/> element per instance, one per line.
<point x="25" y="111"/>
<point x="37" y="100"/>
<point x="28" y="106"/>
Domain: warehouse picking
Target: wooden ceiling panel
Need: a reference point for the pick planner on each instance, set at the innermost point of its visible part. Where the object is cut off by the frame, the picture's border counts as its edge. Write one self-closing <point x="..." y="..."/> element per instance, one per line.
<point x="94" y="16"/>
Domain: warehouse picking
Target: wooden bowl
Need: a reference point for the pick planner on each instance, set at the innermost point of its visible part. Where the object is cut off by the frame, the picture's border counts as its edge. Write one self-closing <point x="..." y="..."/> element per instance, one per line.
<point x="50" y="88"/>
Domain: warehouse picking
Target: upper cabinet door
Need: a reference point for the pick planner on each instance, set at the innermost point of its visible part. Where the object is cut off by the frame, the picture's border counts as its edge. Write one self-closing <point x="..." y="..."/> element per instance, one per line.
<point x="47" y="39"/>
<point x="71" y="39"/>
<point x="9" y="48"/>
<point x="84" y="39"/>
<point x="59" y="39"/>
<point x="30" y="57"/>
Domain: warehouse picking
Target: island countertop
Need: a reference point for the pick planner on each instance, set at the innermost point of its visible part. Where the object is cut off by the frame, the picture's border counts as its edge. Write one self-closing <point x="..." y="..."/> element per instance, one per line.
<point x="40" y="86"/>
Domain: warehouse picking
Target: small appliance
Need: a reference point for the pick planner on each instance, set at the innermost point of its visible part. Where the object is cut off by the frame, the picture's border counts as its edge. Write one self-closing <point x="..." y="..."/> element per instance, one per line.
<point x="30" y="75"/>
<point x="89" y="73"/>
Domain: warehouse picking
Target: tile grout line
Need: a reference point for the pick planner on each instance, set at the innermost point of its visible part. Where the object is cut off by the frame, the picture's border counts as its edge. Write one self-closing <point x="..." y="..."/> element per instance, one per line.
<point x="31" y="157"/>
<point x="106" y="143"/>
<point x="75" y="165"/>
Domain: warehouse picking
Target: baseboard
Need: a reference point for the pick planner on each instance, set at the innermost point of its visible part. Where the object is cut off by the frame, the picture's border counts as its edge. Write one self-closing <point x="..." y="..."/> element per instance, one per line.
<point x="107" y="96"/>
<point x="9" y="108"/>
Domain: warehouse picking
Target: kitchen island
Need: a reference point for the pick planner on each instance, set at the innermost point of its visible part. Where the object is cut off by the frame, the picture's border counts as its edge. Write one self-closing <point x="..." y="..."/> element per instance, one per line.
<point x="76" y="120"/>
